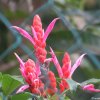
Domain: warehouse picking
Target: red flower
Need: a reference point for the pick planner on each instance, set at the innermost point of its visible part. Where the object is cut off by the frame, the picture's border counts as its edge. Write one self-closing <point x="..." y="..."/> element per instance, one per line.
<point x="39" y="37"/>
<point x="40" y="45"/>
<point x="31" y="72"/>
<point x="66" y="70"/>
<point x="91" y="88"/>
<point x="52" y="83"/>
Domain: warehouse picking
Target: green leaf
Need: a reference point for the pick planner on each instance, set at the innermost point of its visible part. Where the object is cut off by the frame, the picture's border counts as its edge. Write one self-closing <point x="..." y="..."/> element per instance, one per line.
<point x="0" y="98"/>
<point x="0" y="76"/>
<point x="66" y="98"/>
<point x="54" y="97"/>
<point x="93" y="81"/>
<point x="40" y="98"/>
<point x="9" y="84"/>
<point x="0" y="80"/>
<point x="59" y="97"/>
<point x="18" y="78"/>
<point x="72" y="84"/>
<point x="22" y="96"/>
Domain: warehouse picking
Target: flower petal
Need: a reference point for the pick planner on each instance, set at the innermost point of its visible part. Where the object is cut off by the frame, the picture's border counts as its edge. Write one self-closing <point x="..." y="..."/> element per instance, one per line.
<point x="56" y="63"/>
<point x="38" y="71"/>
<point x="77" y="63"/>
<point x="20" y="61"/>
<point x="34" y="32"/>
<point x="43" y="33"/>
<point x="48" y="60"/>
<point x="67" y="61"/>
<point x="22" y="88"/>
<point x="90" y="87"/>
<point x="24" y="33"/>
<point x="49" y="28"/>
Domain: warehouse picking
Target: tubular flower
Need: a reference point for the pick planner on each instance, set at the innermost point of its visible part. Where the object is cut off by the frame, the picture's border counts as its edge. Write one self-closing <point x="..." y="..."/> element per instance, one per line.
<point x="40" y="45"/>
<point x="91" y="88"/>
<point x="66" y="71"/>
<point x="52" y="83"/>
<point x="31" y="71"/>
<point x="39" y="36"/>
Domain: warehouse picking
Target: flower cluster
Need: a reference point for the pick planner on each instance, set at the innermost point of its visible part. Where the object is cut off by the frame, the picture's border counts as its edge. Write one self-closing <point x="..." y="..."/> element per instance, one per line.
<point x="39" y="37"/>
<point x="66" y="71"/>
<point x="33" y="72"/>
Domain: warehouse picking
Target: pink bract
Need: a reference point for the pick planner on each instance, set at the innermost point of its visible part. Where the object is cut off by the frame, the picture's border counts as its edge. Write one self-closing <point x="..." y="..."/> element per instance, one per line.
<point x="72" y="69"/>
<point x="91" y="88"/>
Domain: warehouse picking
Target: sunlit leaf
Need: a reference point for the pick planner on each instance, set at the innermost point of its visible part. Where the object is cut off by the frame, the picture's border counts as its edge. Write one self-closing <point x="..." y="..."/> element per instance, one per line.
<point x="40" y="98"/>
<point x="0" y="98"/>
<point x="9" y="84"/>
<point x="54" y="97"/>
<point x="66" y="98"/>
<point x="19" y="78"/>
<point x="22" y="96"/>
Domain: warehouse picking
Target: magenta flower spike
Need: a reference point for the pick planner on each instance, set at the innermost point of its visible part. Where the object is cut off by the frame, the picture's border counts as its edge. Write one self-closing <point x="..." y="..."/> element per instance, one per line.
<point x="30" y="72"/>
<point x="91" y="88"/>
<point x="66" y="71"/>
<point x="69" y="69"/>
<point x="35" y="68"/>
<point x="39" y="37"/>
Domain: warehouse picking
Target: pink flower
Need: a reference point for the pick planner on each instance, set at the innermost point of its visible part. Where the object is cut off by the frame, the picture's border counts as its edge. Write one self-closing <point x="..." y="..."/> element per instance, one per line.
<point x="51" y="89"/>
<point x="39" y="36"/>
<point x="66" y="71"/>
<point x="22" y="88"/>
<point x="91" y="88"/>
<point x="31" y="72"/>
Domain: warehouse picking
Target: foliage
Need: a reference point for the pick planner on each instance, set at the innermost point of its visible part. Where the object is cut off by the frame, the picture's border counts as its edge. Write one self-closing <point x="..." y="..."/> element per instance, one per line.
<point x="10" y="84"/>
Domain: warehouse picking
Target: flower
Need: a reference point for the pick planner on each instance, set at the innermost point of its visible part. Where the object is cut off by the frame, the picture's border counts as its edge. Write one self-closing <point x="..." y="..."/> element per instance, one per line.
<point x="91" y="88"/>
<point x="39" y="36"/>
<point x="51" y="89"/>
<point x="31" y="72"/>
<point x="66" y="71"/>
